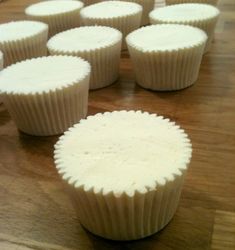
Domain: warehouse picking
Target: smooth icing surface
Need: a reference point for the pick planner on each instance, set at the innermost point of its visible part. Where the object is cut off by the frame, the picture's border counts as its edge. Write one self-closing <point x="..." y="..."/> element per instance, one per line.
<point x="122" y="152"/>
<point x="110" y="9"/>
<point x="185" y="12"/>
<point x="165" y="37"/>
<point x="20" y="29"/>
<point x="53" y="7"/>
<point x="43" y="74"/>
<point x="84" y="38"/>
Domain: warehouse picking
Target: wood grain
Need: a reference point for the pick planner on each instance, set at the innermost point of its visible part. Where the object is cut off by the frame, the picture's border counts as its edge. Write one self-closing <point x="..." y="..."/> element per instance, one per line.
<point x="35" y="212"/>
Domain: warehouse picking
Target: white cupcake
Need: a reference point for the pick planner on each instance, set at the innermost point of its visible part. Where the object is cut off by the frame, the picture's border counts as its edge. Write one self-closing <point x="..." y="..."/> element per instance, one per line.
<point x="124" y="171"/>
<point x="46" y="95"/>
<point x="202" y="16"/>
<point x="212" y="2"/>
<point x="147" y="5"/>
<point x="124" y="16"/>
<point x="166" y="56"/>
<point x="99" y="45"/>
<point x="60" y="15"/>
<point x="20" y="40"/>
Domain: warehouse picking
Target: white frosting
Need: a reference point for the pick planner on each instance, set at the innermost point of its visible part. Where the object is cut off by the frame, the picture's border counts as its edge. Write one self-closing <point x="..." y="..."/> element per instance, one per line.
<point x="185" y="12"/>
<point x="53" y="7"/>
<point x="122" y="152"/>
<point x="165" y="37"/>
<point x="110" y="9"/>
<point x="43" y="74"/>
<point x="84" y="38"/>
<point x="20" y="29"/>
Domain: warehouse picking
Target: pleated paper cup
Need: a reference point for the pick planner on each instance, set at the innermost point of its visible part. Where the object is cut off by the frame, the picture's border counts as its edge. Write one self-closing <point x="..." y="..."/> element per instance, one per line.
<point x="124" y="16"/>
<point x="21" y="40"/>
<point x="1" y="60"/>
<point x="167" y="56"/>
<point x="60" y="15"/>
<point x="124" y="171"/>
<point x="1" y="67"/>
<point x="99" y="45"/>
<point x="46" y="95"/>
<point x="202" y="16"/>
<point x="212" y="2"/>
<point x="148" y="5"/>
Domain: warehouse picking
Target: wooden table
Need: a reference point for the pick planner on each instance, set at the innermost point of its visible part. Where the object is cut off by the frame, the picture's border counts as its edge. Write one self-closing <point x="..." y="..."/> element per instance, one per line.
<point x="35" y="212"/>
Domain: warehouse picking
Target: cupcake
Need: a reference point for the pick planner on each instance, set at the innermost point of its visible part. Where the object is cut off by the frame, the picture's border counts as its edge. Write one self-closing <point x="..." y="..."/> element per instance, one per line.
<point x="124" y="171"/>
<point x="1" y="67"/>
<point x="147" y="5"/>
<point x="99" y="45"/>
<point x="166" y="56"/>
<point x="23" y="39"/>
<point x="46" y="95"/>
<point x="1" y="60"/>
<point x="60" y="15"/>
<point x="212" y="2"/>
<point x="124" y="16"/>
<point x="202" y="16"/>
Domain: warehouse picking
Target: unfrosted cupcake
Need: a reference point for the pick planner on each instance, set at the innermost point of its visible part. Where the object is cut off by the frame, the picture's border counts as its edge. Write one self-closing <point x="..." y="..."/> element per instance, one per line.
<point x="20" y="40"/>
<point x="212" y="2"/>
<point x="60" y="15"/>
<point x="99" y="45"/>
<point x="124" y="16"/>
<point x="147" y="5"/>
<point x="46" y="95"/>
<point x="124" y="171"/>
<point x="202" y="16"/>
<point x="166" y="56"/>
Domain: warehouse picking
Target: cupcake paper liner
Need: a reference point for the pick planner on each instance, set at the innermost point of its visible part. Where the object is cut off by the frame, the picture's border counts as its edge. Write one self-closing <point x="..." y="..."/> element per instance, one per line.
<point x="47" y="111"/>
<point x="166" y="70"/>
<point x="148" y="5"/>
<point x="104" y="59"/>
<point x="30" y="46"/>
<point x="123" y="22"/>
<point x="206" y="22"/>
<point x="212" y="2"/>
<point x="1" y="60"/>
<point x="57" y="21"/>
<point x="132" y="212"/>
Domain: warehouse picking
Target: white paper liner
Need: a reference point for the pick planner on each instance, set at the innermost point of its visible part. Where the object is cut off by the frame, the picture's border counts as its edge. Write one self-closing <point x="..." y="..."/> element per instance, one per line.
<point x="1" y="60"/>
<point x="104" y="60"/>
<point x="123" y="216"/>
<point x="148" y="5"/>
<point x="205" y="23"/>
<point x="48" y="112"/>
<point x="124" y="23"/>
<point x="212" y="2"/>
<point x="25" y="48"/>
<point x="166" y="70"/>
<point x="60" y="21"/>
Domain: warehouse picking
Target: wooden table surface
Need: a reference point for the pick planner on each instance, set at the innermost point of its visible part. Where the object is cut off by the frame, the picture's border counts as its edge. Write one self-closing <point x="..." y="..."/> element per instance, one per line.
<point x="36" y="213"/>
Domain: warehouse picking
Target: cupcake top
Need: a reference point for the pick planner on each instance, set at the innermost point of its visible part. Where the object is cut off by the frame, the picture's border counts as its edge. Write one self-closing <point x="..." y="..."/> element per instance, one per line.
<point x="84" y="39"/>
<point x="110" y="9"/>
<point x="122" y="151"/>
<point x="20" y="29"/>
<point x="43" y="74"/>
<point x="187" y="12"/>
<point x="165" y="37"/>
<point x="48" y="8"/>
